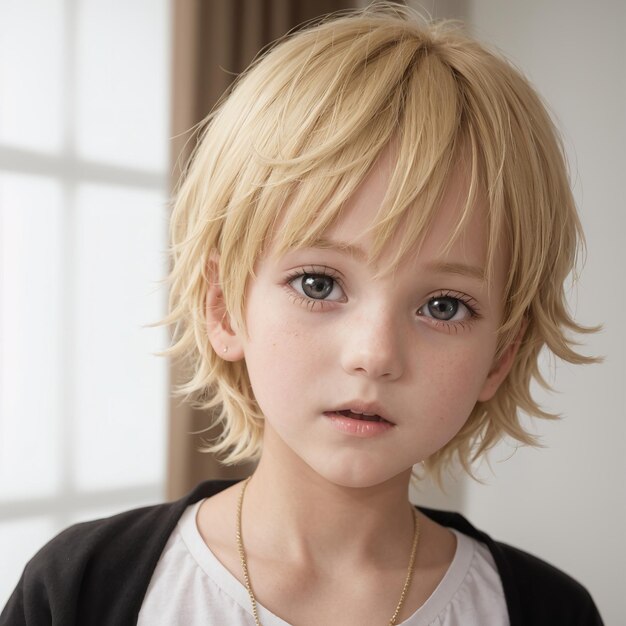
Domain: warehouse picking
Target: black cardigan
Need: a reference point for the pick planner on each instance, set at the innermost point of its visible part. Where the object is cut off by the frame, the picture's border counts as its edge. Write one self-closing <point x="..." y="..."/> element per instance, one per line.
<point x="97" y="573"/>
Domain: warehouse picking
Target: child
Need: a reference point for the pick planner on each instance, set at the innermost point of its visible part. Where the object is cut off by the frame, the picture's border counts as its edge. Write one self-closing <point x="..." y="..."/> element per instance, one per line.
<point x="369" y="252"/>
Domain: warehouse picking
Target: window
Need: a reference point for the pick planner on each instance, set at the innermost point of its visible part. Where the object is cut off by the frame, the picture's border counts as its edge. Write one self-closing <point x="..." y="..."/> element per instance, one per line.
<point x="84" y="111"/>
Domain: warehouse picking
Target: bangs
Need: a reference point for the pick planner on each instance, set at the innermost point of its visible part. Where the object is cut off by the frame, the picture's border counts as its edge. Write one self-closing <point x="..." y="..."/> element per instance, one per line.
<point x="415" y="109"/>
<point x="336" y="104"/>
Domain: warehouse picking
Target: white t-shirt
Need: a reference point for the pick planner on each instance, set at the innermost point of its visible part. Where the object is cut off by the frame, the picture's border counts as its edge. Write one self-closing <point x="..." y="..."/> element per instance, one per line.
<point x="191" y="587"/>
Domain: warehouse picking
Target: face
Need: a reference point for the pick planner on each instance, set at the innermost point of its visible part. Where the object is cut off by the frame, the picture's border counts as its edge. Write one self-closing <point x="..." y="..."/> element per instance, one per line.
<point x="327" y="339"/>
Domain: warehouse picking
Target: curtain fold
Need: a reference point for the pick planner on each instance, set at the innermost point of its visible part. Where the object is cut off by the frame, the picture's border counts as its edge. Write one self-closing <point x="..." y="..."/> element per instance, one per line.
<point x="213" y="41"/>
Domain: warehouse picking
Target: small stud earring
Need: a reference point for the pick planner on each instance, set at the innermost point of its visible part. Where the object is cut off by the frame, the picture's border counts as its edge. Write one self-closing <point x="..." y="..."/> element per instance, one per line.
<point x="225" y="349"/>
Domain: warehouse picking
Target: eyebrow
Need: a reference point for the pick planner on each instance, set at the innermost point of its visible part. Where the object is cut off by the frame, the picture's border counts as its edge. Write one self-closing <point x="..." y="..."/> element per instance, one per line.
<point x="471" y="271"/>
<point x="340" y="246"/>
<point x="441" y="267"/>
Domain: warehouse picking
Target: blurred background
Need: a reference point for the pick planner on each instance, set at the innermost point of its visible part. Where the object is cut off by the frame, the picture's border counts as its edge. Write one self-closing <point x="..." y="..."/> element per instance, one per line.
<point x="97" y="103"/>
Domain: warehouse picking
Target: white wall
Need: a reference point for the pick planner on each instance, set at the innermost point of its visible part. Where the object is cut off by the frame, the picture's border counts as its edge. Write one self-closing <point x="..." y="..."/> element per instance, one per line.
<point x="567" y="502"/>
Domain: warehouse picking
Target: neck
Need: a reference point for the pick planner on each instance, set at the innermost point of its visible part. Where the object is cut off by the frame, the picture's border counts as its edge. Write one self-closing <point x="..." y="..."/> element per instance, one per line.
<point x="293" y="513"/>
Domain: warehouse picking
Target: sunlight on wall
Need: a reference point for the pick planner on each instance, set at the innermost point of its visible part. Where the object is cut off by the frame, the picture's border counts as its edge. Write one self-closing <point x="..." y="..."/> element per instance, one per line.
<point x="84" y="140"/>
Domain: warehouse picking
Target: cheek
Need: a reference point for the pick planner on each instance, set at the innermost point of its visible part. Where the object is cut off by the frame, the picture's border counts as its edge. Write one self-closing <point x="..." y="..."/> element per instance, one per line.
<point x="445" y="399"/>
<point x="454" y="380"/>
<point x="466" y="353"/>
<point x="283" y="363"/>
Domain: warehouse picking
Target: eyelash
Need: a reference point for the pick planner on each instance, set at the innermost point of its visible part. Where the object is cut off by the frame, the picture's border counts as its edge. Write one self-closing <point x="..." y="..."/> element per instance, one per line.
<point x="317" y="270"/>
<point x="470" y="304"/>
<point x="315" y="305"/>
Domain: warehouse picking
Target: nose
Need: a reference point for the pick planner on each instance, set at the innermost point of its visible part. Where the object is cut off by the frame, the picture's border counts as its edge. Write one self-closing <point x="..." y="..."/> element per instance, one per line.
<point x="372" y="345"/>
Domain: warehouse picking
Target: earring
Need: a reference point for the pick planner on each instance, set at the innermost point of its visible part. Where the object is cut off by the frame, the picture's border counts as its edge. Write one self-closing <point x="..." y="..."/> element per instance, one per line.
<point x="225" y="349"/>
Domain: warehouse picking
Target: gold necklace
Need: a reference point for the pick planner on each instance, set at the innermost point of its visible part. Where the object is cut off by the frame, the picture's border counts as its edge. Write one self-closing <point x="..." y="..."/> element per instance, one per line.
<point x="246" y="575"/>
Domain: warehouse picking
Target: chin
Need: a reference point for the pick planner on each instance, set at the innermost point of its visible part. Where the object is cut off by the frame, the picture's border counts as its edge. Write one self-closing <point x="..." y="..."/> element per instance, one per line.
<point x="358" y="476"/>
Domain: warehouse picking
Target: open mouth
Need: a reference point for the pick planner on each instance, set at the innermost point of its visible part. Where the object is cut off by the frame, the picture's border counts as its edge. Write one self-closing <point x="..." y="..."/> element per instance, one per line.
<point x="362" y="416"/>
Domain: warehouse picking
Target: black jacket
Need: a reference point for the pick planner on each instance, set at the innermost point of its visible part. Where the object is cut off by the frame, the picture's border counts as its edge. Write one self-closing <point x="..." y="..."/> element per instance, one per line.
<point x="97" y="573"/>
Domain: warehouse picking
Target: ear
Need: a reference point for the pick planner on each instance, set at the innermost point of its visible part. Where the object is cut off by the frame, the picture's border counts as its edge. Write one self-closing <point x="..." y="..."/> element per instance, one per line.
<point x="223" y="337"/>
<point x="502" y="366"/>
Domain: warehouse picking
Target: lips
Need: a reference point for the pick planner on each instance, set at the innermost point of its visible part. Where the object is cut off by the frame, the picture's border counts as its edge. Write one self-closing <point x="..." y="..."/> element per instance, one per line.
<point x="362" y="416"/>
<point x="363" y="411"/>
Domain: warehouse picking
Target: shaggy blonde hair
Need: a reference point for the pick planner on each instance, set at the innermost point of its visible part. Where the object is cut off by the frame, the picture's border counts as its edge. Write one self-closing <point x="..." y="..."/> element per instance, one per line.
<point x="297" y="134"/>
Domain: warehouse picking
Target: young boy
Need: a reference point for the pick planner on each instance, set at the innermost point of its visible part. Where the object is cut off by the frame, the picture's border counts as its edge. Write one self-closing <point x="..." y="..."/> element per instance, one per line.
<point x="369" y="252"/>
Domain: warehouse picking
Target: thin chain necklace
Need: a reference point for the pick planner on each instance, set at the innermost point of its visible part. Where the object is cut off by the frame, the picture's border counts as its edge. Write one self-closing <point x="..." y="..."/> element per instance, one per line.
<point x="246" y="575"/>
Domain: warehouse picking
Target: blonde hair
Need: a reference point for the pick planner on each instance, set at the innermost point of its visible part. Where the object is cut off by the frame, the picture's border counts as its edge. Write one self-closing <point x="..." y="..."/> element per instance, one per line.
<point x="296" y="135"/>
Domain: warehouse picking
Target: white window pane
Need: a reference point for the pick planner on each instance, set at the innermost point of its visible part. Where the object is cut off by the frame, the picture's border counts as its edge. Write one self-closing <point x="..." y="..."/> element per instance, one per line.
<point x="122" y="87"/>
<point x="32" y="50"/>
<point x="121" y="390"/>
<point x="30" y="341"/>
<point x="19" y="541"/>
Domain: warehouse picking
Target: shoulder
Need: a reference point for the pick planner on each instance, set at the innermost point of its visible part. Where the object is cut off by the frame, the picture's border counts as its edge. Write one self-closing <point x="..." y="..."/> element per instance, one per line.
<point x="123" y="536"/>
<point x="97" y="572"/>
<point x="86" y="564"/>
<point x="544" y="591"/>
<point x="536" y="592"/>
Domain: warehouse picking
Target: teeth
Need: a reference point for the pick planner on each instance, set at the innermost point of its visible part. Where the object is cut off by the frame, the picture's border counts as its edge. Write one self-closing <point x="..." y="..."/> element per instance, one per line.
<point x="374" y="416"/>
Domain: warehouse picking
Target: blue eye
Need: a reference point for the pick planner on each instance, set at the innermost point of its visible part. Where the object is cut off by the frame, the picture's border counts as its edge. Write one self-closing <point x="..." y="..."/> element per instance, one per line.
<point x="446" y="308"/>
<point x="317" y="286"/>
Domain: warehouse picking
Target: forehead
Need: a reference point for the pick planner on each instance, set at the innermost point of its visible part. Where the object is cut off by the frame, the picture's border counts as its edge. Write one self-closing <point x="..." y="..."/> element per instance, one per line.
<point x="453" y="236"/>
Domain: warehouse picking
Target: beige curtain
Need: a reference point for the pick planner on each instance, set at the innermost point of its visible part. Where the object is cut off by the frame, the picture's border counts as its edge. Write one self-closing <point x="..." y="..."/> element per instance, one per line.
<point x="213" y="40"/>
